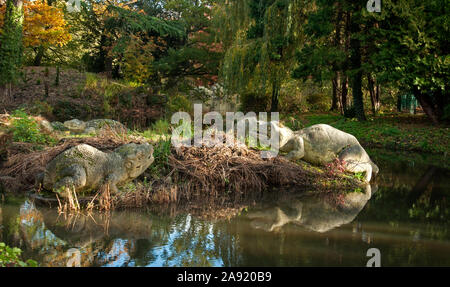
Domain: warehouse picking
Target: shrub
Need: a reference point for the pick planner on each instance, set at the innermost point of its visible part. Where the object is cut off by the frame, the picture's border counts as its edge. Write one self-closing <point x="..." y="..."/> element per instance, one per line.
<point x="10" y="257"/>
<point x="126" y="99"/>
<point x="179" y="103"/>
<point x="137" y="60"/>
<point x="337" y="166"/>
<point x="24" y="76"/>
<point x="161" y="154"/>
<point x="41" y="108"/>
<point x="158" y="131"/>
<point x="293" y="123"/>
<point x="67" y="110"/>
<point x="26" y="129"/>
<point x="293" y="97"/>
<point x="254" y="102"/>
<point x="446" y="115"/>
<point x="110" y="93"/>
<point x="293" y="103"/>
<point x="161" y="127"/>
<point x="318" y="102"/>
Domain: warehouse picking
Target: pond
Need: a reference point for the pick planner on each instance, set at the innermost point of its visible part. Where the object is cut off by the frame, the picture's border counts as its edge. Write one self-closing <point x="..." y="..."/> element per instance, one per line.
<point x="404" y="213"/>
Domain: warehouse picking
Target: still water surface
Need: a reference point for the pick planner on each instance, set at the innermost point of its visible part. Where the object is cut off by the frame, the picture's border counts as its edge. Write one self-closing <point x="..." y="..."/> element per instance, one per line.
<point x="405" y="214"/>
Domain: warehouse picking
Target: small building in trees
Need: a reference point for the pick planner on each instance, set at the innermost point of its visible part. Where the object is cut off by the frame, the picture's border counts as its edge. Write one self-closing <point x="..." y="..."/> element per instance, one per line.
<point x="407" y="103"/>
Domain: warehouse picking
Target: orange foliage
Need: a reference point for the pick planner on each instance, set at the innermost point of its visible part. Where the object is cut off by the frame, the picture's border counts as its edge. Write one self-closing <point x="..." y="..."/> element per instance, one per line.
<point x="43" y="24"/>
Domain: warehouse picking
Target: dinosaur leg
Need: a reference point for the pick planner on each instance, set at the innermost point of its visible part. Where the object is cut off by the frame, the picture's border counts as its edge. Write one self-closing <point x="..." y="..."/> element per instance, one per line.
<point x="354" y="161"/>
<point x="295" y="148"/>
<point x="112" y="181"/>
<point x="74" y="177"/>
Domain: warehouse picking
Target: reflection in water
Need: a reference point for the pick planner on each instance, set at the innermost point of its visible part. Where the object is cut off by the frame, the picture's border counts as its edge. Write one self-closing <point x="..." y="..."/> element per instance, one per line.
<point x="117" y="239"/>
<point x="312" y="212"/>
<point x="411" y="187"/>
<point x="406" y="218"/>
<point x="137" y="239"/>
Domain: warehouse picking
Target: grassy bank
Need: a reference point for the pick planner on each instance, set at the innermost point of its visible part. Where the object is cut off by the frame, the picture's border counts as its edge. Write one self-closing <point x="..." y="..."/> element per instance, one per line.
<point x="65" y="94"/>
<point x="394" y="132"/>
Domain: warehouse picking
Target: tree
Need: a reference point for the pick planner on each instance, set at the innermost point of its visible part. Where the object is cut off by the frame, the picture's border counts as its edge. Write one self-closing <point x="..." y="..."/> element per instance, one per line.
<point x="90" y="26"/>
<point x="323" y="58"/>
<point x="124" y="24"/>
<point x="197" y="56"/>
<point x="333" y="51"/>
<point x="414" y="51"/>
<point x="259" y="53"/>
<point x="43" y="26"/>
<point x="11" y="45"/>
<point x="170" y="39"/>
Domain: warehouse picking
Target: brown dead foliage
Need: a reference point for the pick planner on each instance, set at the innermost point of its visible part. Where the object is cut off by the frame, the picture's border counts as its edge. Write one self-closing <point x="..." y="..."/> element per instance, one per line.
<point x="236" y="169"/>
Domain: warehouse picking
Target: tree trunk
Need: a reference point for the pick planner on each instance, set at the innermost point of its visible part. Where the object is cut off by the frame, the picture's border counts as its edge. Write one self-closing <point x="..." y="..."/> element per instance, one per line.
<point x="275" y="93"/>
<point x="374" y="91"/>
<point x="399" y="103"/>
<point x="355" y="62"/>
<point x="38" y="58"/>
<point x="337" y="42"/>
<point x="378" y="97"/>
<point x="6" y="96"/>
<point x="344" y="80"/>
<point x="105" y="61"/>
<point x="334" y="100"/>
<point x="344" y="94"/>
<point x="427" y="105"/>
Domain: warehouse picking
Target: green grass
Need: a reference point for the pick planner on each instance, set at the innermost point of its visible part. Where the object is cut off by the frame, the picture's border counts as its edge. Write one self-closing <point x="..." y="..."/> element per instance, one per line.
<point x="395" y="132"/>
<point x="91" y="81"/>
<point x="160" y="130"/>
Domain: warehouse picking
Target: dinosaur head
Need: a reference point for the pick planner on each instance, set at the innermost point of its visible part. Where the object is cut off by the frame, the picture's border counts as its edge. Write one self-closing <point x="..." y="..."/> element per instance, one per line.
<point x="284" y="133"/>
<point x="136" y="157"/>
<point x="75" y="125"/>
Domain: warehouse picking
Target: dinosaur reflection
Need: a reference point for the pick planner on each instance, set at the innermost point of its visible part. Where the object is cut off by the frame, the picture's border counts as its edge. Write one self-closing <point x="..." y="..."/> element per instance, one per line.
<point x="316" y="213"/>
<point x="74" y="240"/>
<point x="85" y="228"/>
<point x="123" y="238"/>
<point x="99" y="239"/>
